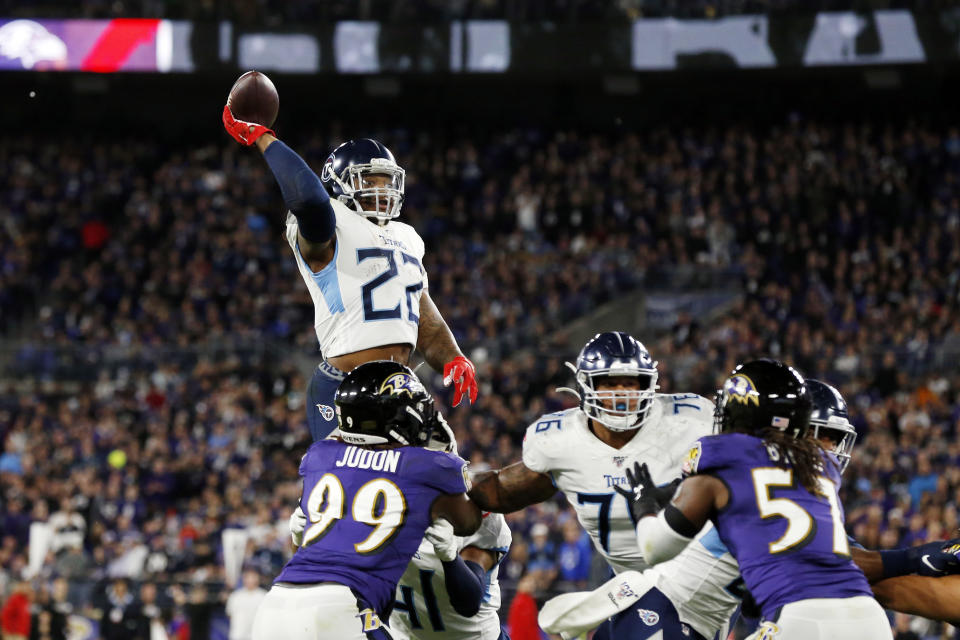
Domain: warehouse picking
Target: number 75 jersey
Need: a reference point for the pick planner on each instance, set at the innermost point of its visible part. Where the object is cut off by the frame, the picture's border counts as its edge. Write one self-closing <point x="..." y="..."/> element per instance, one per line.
<point x="369" y="294"/>
<point x="562" y="446"/>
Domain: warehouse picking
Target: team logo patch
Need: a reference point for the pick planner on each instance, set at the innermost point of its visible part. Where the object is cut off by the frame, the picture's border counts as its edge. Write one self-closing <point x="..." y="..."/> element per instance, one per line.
<point x="691" y="460"/>
<point x="768" y="631"/>
<point x="371" y="622"/>
<point x="648" y="617"/>
<point x="619" y="460"/>
<point x="467" y="483"/>
<point x="326" y="411"/>
<point x="401" y="383"/>
<point x="740" y="388"/>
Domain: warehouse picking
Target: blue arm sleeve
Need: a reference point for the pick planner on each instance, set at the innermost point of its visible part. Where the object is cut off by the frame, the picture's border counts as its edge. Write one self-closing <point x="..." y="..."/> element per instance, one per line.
<point x="303" y="193"/>
<point x="464" y="581"/>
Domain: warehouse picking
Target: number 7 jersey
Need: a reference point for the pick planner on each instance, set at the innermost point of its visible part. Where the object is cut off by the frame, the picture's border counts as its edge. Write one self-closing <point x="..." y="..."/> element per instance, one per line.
<point x="369" y="294"/>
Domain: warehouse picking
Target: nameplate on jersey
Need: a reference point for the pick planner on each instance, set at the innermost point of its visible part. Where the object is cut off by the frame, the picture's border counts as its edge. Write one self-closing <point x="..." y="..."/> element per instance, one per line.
<point x="356" y="458"/>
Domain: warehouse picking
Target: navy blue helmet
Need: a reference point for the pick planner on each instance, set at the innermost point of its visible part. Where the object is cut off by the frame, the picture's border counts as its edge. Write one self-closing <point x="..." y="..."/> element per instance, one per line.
<point x="831" y="420"/>
<point x="363" y="175"/>
<point x="383" y="401"/>
<point x="616" y="354"/>
<point x="764" y="394"/>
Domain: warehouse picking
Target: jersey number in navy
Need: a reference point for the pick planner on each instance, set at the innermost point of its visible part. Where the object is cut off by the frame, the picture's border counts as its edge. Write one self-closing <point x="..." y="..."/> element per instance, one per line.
<point x="369" y="313"/>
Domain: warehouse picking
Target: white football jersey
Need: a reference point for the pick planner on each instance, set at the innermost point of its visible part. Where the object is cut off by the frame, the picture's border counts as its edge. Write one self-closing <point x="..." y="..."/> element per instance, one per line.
<point x="562" y="446"/>
<point x="424" y="590"/>
<point x="369" y="294"/>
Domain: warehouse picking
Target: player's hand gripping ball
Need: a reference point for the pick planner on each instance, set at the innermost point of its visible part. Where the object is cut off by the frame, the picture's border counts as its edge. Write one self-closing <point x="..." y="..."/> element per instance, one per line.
<point x="251" y="108"/>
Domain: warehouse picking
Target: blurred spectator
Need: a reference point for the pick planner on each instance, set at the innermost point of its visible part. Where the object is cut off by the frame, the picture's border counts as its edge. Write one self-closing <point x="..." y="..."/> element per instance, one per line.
<point x="242" y="606"/>
<point x="120" y="616"/>
<point x="15" y="613"/>
<point x="522" y="618"/>
<point x="575" y="554"/>
<point x="543" y="552"/>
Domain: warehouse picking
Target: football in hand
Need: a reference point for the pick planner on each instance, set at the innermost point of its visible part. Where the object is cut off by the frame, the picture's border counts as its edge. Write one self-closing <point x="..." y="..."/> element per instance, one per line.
<point x="253" y="98"/>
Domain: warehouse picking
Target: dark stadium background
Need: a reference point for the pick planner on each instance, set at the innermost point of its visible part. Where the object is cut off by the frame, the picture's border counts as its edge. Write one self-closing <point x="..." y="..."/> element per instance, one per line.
<point x="112" y="181"/>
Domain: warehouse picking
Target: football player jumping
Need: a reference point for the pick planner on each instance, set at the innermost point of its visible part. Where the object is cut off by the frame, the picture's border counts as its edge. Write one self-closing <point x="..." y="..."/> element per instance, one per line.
<point x="363" y="268"/>
<point x="585" y="453"/>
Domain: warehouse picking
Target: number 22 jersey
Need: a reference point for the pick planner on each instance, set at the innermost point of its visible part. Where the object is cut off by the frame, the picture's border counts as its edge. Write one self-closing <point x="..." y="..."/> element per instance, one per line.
<point x="369" y="293"/>
<point x="367" y="511"/>
<point x="791" y="545"/>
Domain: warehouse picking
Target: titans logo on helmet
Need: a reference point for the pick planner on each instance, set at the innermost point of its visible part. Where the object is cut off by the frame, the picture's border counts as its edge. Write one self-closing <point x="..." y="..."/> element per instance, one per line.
<point x="740" y="388"/>
<point x="401" y="383"/>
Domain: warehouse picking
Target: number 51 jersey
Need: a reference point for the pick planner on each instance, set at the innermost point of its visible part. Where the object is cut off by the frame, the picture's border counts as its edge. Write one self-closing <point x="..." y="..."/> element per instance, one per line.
<point x="790" y="543"/>
<point x="367" y="511"/>
<point x="369" y="294"/>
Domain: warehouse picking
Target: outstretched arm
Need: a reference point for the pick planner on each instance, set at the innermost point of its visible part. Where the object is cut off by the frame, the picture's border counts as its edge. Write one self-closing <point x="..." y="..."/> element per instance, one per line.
<point x="510" y="489"/>
<point x="933" y="598"/>
<point x="931" y="560"/>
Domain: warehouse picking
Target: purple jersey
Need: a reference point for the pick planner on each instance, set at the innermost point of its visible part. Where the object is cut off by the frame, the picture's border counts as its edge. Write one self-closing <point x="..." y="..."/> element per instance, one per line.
<point x="367" y="510"/>
<point x="791" y="545"/>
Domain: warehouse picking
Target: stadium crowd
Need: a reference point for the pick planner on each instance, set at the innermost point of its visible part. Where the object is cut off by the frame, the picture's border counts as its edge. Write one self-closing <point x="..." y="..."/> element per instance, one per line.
<point x="183" y="415"/>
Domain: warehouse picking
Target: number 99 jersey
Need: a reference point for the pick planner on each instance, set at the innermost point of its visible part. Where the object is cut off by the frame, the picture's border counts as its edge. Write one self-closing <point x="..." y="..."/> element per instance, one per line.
<point x="369" y="294"/>
<point x="422" y="610"/>
<point x="367" y="511"/>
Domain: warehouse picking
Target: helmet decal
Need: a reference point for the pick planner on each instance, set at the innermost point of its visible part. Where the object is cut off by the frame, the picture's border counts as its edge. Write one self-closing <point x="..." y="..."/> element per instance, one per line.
<point x="401" y="383"/>
<point x="740" y="388"/>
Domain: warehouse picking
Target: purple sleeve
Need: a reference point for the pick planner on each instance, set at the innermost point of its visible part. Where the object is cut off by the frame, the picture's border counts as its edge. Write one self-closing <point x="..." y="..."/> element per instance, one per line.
<point x="442" y="471"/>
<point x="705" y="455"/>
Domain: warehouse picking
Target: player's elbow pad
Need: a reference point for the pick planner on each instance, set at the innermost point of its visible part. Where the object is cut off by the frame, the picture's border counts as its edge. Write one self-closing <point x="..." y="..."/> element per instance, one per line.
<point x="464" y="581"/>
<point x="303" y="193"/>
<point x="658" y="541"/>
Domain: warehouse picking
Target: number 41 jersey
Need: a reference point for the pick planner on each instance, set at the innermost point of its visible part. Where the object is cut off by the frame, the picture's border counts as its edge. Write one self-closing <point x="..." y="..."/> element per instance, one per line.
<point x="367" y="511"/>
<point x="369" y="294"/>
<point x="790" y="543"/>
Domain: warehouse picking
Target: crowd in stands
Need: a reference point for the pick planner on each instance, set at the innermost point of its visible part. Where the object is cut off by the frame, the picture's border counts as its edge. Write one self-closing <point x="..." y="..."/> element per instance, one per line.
<point x="277" y="12"/>
<point x="166" y="271"/>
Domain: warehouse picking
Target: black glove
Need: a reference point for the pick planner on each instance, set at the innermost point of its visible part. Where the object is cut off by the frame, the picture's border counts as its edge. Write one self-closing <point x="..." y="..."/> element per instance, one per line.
<point x="644" y="497"/>
<point x="934" y="560"/>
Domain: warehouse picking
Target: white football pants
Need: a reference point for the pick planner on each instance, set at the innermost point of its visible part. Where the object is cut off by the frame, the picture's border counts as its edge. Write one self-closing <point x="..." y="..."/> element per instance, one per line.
<point x="315" y="612"/>
<point x="859" y="618"/>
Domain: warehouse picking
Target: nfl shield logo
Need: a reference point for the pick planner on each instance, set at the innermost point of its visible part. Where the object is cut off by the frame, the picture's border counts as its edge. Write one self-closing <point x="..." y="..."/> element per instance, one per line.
<point x="619" y="460"/>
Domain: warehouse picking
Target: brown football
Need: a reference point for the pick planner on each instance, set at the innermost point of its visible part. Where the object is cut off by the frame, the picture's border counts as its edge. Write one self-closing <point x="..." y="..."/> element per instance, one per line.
<point x="253" y="98"/>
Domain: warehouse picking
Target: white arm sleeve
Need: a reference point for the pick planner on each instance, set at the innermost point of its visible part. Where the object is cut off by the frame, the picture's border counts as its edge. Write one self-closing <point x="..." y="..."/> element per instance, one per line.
<point x="658" y="541"/>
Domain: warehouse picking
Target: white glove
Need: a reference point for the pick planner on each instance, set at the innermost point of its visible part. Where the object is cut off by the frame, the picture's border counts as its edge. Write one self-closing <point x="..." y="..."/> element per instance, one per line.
<point x="298" y="522"/>
<point x="441" y="536"/>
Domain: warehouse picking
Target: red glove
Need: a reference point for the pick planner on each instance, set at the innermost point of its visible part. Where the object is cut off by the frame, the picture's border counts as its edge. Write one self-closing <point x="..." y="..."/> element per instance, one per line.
<point x="461" y="373"/>
<point x="246" y="133"/>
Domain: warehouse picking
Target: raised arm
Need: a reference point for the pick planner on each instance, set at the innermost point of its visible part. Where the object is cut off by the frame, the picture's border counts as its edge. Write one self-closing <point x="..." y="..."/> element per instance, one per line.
<point x="303" y="193"/>
<point x="510" y="489"/>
